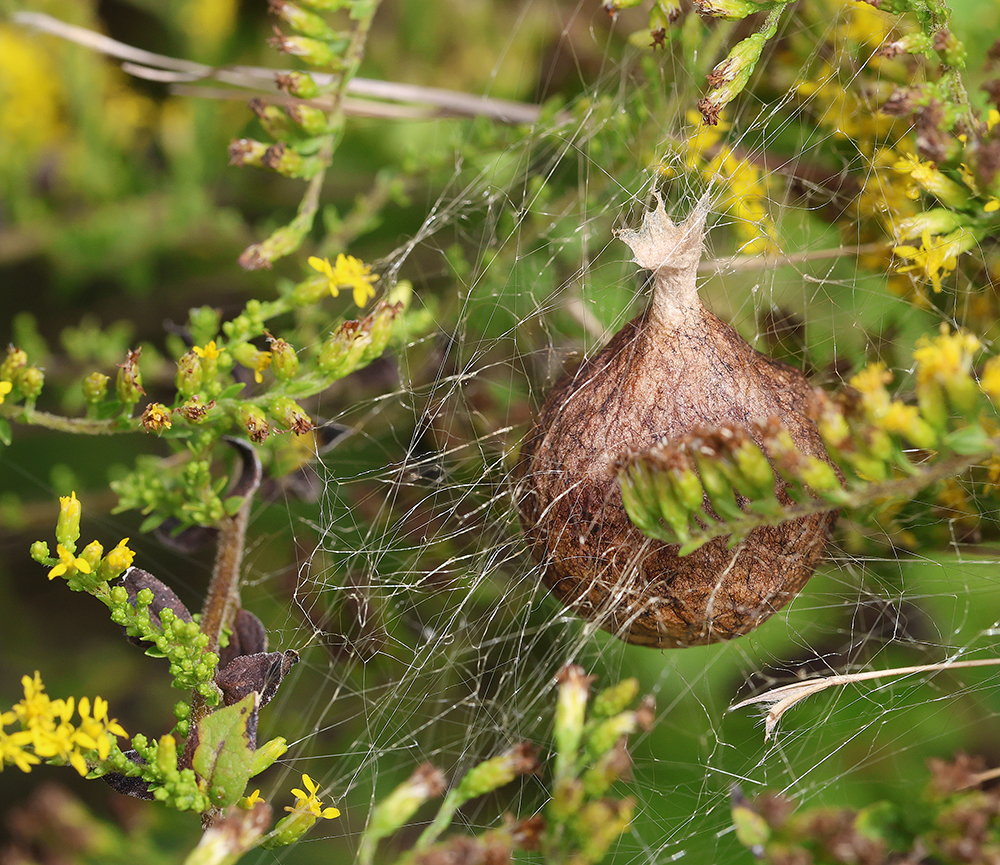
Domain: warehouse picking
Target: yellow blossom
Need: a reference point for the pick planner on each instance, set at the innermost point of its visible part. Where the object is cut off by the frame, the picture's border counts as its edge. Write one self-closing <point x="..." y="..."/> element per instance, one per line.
<point x="992" y="484"/>
<point x="68" y="564"/>
<point x="946" y="356"/>
<point x="872" y="380"/>
<point x="48" y="731"/>
<point x="348" y="271"/>
<point x="992" y="205"/>
<point x="927" y="176"/>
<point x="310" y="803"/>
<point x="262" y="360"/>
<point x="120" y="558"/>
<point x="209" y="352"/>
<point x="935" y="257"/>
<point x="5" y="388"/>
<point x="250" y="801"/>
<point x="992" y="119"/>
<point x="68" y="522"/>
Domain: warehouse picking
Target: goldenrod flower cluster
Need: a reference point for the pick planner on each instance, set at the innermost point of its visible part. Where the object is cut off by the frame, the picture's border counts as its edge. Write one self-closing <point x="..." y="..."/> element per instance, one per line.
<point x="743" y="190"/>
<point x="47" y="731"/>
<point x="348" y="272"/>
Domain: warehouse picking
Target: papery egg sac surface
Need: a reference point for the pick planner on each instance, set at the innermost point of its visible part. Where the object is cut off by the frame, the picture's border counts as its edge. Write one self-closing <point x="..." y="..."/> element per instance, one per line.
<point x="674" y="368"/>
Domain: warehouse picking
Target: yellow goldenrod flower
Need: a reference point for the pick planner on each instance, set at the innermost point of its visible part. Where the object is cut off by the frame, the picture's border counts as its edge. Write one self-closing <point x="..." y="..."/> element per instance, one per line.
<point x="156" y="418"/>
<point x="5" y="388"/>
<point x="992" y="205"/>
<point x="936" y="257"/>
<point x="68" y="521"/>
<point x="248" y="802"/>
<point x="68" y="564"/>
<point x="945" y="356"/>
<point x="120" y="558"/>
<point x="992" y="484"/>
<point x="48" y="733"/>
<point x="990" y="380"/>
<point x="927" y="176"/>
<point x="12" y="750"/>
<point x="899" y="418"/>
<point x="310" y="803"/>
<point x="348" y="271"/>
<point x="262" y="361"/>
<point x="871" y="381"/>
<point x="992" y="119"/>
<point x="209" y="352"/>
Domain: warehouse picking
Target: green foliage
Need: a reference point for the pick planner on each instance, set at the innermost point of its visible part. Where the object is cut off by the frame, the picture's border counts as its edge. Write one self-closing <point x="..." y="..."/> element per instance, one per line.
<point x="915" y="187"/>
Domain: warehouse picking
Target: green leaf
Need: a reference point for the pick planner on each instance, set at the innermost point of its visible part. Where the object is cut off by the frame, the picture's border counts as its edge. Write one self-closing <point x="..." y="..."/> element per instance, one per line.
<point x="225" y="752"/>
<point x="230" y="392"/>
<point x="968" y="440"/>
<point x="5" y="433"/>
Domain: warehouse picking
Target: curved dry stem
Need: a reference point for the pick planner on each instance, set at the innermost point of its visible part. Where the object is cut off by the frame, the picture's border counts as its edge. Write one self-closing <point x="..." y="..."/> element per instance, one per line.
<point x="783" y="698"/>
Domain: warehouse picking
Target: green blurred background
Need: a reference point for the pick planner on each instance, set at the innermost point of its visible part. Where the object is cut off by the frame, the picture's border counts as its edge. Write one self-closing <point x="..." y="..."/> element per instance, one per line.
<point x="118" y="212"/>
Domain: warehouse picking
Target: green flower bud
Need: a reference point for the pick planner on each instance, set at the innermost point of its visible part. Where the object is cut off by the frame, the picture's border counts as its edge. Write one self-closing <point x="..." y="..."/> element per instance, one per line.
<point x="266" y="754"/>
<point x="129" y="383"/>
<point x="754" y="468"/>
<point x="166" y="755"/>
<point x="492" y="774"/>
<point x="298" y="84"/>
<point x="613" y="700"/>
<point x="305" y="22"/>
<point x="567" y="797"/>
<point x="290" y="415"/>
<point x="314" y="52"/>
<point x="15" y="360"/>
<point x="284" y="362"/>
<point x="247" y="152"/>
<point x="667" y="12"/>
<point x="273" y="120"/>
<point x="819" y="476"/>
<point x="95" y="388"/>
<point x="426" y="782"/>
<point x="607" y="769"/>
<point x="687" y="486"/>
<point x="29" y="381"/>
<point x="730" y="10"/>
<point x="68" y="522"/>
<point x="935" y="221"/>
<point x="671" y="508"/>
<point x="639" y="499"/>
<point x="342" y="352"/>
<point x="40" y="552"/>
<point x="253" y="421"/>
<point x="718" y="486"/>
<point x="195" y="410"/>
<point x="571" y="708"/>
<point x="189" y="374"/>
<point x="312" y="120"/>
<point x="952" y="50"/>
<point x="283" y="159"/>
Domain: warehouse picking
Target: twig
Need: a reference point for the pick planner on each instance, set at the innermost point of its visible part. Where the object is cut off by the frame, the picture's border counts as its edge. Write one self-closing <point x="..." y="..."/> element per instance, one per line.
<point x="161" y="67"/>
<point x="741" y="263"/>
<point x="786" y="696"/>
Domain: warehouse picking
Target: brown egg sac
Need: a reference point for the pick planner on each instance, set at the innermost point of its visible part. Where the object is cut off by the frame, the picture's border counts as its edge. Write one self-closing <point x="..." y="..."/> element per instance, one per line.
<point x="671" y="369"/>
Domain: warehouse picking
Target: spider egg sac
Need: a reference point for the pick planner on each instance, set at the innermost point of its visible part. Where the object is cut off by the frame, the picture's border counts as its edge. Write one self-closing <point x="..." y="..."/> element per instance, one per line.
<point x="674" y="368"/>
